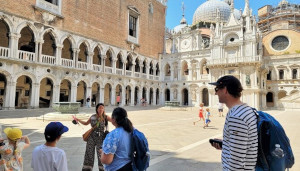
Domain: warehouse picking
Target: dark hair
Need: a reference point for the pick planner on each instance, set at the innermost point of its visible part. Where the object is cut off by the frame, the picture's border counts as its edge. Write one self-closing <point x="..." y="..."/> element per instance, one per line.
<point x="120" y="116"/>
<point x="97" y="106"/>
<point x="233" y="85"/>
<point x="103" y="116"/>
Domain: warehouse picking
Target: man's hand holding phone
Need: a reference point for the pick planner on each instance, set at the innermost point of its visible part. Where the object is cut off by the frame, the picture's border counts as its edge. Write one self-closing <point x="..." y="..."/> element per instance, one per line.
<point x="217" y="143"/>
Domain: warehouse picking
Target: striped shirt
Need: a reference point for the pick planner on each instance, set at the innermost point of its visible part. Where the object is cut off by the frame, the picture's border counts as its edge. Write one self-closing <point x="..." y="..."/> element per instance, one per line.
<point x="240" y="139"/>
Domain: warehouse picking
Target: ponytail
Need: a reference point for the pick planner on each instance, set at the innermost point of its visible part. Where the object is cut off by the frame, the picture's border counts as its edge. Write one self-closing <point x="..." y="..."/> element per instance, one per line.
<point x="121" y="118"/>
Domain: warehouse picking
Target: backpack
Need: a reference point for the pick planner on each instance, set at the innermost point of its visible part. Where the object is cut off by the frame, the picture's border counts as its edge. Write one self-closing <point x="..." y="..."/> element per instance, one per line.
<point x="271" y="133"/>
<point x="141" y="154"/>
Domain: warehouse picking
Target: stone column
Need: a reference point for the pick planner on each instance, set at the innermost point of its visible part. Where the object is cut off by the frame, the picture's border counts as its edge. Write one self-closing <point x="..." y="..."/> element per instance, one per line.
<point x="13" y="45"/>
<point x="114" y="64"/>
<point x="179" y="72"/>
<point x="10" y="95"/>
<point x="140" y="95"/>
<point x="88" y="93"/>
<point x="103" y="64"/>
<point x="101" y="95"/>
<point x="123" y="96"/>
<point x="38" y="51"/>
<point x="179" y="97"/>
<point x="162" y="97"/>
<point x="113" y="96"/>
<point x="90" y="60"/>
<point x="172" y="91"/>
<point x="73" y="97"/>
<point x="190" y="72"/>
<point x="147" y="72"/>
<point x="35" y="95"/>
<point x="75" y="56"/>
<point x="132" y="97"/>
<point x="55" y="94"/>
<point x="132" y="69"/>
<point x="172" y="70"/>
<point x="154" y="98"/>
<point x="58" y="54"/>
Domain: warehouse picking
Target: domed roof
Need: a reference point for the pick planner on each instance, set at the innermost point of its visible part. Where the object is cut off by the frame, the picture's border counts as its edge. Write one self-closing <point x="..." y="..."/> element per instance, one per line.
<point x="207" y="12"/>
<point x="179" y="27"/>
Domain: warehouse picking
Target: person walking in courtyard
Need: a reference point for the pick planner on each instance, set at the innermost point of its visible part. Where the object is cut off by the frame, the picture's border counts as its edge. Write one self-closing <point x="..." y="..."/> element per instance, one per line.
<point x="240" y="138"/>
<point x="11" y="152"/>
<point x="98" y="122"/>
<point x="207" y="120"/>
<point x="47" y="156"/>
<point x="116" y="152"/>
<point x="200" y="114"/>
<point x="88" y="102"/>
<point x="220" y="108"/>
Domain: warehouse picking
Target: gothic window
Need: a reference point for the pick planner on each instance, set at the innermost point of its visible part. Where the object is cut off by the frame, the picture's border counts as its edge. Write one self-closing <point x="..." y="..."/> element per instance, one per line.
<point x="280" y="43"/>
<point x="133" y="24"/>
<point x="281" y="74"/>
<point x="294" y="73"/>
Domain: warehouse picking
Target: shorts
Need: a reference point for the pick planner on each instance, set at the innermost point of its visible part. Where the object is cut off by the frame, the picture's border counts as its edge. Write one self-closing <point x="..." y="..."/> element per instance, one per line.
<point x="220" y="110"/>
<point x="207" y="121"/>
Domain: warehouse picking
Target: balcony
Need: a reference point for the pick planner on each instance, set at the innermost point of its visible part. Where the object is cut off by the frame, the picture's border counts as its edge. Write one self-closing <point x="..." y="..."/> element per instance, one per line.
<point x="82" y="65"/>
<point x="4" y="52"/>
<point x="67" y="63"/>
<point x="119" y="71"/>
<point x="48" y="59"/>
<point x="27" y="56"/>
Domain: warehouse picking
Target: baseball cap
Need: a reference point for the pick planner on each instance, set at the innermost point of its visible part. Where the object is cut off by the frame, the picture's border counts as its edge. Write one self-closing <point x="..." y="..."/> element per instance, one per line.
<point x="13" y="133"/>
<point x="232" y="84"/>
<point x="54" y="130"/>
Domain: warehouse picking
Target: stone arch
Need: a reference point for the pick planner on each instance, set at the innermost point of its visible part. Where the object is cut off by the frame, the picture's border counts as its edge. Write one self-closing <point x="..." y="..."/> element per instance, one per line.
<point x="67" y="50"/>
<point x="25" y="73"/>
<point x="86" y="43"/>
<point x="50" y="43"/>
<point x="203" y="66"/>
<point x="129" y="62"/>
<point x="167" y="94"/>
<point x="70" y="38"/>
<point x="46" y="92"/>
<point x="48" y="75"/>
<point x="52" y="32"/>
<point x="24" y="87"/>
<point x="97" y="57"/>
<point x="151" y="68"/>
<point x="27" y="40"/>
<point x="65" y="90"/>
<point x="109" y="58"/>
<point x="184" y="68"/>
<point x="83" y="52"/>
<point x="8" y="21"/>
<point x="185" y="96"/>
<point x="24" y="24"/>
<point x="107" y="94"/>
<point x="4" y="34"/>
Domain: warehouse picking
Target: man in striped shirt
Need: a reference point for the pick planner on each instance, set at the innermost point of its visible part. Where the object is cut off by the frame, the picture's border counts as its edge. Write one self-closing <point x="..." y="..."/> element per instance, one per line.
<point x="240" y="139"/>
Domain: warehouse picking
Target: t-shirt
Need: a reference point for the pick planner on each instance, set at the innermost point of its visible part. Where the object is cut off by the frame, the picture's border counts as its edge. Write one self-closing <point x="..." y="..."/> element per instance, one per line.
<point x="88" y="100"/>
<point x="9" y="161"/>
<point x="117" y="142"/>
<point x="207" y="114"/>
<point x="48" y="158"/>
<point x="240" y="139"/>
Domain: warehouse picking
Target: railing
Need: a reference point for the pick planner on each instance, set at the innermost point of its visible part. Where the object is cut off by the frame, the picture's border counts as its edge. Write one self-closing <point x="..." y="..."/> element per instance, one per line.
<point x="97" y="68"/>
<point x="137" y="74"/>
<point x="144" y="76"/>
<point x="167" y="78"/>
<point x="28" y="56"/>
<point x="82" y="65"/>
<point x="119" y="71"/>
<point x="48" y="59"/>
<point x="128" y="73"/>
<point x="67" y="62"/>
<point x="234" y="60"/>
<point x="108" y="69"/>
<point x="150" y="77"/>
<point x="4" y="52"/>
<point x="156" y="77"/>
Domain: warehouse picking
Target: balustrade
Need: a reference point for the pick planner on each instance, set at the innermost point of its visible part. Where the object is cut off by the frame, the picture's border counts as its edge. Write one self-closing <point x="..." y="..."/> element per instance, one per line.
<point x="108" y="69"/>
<point x="4" y="52"/>
<point x="81" y="65"/>
<point x="119" y="71"/>
<point x="97" y="68"/>
<point x="67" y="62"/>
<point x="28" y="56"/>
<point x="48" y="59"/>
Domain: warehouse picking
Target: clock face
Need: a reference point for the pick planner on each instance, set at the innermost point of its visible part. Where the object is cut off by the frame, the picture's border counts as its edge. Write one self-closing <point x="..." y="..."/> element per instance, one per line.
<point x="185" y="44"/>
<point x="205" y="41"/>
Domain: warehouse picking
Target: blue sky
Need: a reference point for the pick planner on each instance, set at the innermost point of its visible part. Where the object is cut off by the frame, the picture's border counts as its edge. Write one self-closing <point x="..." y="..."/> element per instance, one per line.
<point x="174" y="12"/>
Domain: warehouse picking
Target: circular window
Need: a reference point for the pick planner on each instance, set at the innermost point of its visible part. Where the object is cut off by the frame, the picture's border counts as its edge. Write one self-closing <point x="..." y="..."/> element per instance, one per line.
<point x="232" y="39"/>
<point x="280" y="43"/>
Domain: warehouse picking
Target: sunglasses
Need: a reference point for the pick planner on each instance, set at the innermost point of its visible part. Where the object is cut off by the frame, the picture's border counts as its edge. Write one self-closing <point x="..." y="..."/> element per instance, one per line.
<point x="218" y="88"/>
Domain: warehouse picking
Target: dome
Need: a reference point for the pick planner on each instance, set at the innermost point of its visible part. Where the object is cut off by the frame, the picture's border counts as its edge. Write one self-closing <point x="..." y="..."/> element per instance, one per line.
<point x="207" y="12"/>
<point x="237" y="14"/>
<point x="179" y="27"/>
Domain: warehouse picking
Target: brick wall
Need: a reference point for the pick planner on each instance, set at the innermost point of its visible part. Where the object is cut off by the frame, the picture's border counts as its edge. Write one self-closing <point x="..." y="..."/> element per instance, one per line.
<point x="102" y="20"/>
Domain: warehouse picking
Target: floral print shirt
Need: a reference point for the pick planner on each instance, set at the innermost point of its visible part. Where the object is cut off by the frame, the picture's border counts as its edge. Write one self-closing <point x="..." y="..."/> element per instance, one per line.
<point x="9" y="161"/>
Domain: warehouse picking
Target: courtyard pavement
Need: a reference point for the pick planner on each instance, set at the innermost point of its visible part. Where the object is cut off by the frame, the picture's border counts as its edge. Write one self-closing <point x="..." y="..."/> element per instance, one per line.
<point x="175" y="143"/>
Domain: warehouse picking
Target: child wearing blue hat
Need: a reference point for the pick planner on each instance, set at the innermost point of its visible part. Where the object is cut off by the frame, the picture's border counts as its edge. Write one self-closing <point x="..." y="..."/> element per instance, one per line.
<point x="47" y="156"/>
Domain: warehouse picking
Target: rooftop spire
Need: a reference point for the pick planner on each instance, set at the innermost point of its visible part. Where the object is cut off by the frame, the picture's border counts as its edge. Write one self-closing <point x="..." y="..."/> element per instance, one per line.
<point x="183" y="20"/>
<point x="246" y="9"/>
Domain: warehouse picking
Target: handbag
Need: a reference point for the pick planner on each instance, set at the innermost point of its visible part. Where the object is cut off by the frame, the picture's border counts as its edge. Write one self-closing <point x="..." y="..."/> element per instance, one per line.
<point x="87" y="134"/>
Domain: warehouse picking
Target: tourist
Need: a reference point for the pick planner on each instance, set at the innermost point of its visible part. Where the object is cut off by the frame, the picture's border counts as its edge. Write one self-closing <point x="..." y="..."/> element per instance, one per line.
<point x="1" y="103"/>
<point x="200" y="114"/>
<point x="240" y="139"/>
<point x="116" y="152"/>
<point x="207" y="120"/>
<point x="220" y="108"/>
<point x="47" y="156"/>
<point x="98" y="121"/>
<point x="88" y="102"/>
<point x="11" y="152"/>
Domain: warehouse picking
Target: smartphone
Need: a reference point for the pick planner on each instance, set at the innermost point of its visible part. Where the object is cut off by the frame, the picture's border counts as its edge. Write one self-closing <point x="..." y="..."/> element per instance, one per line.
<point x="220" y="142"/>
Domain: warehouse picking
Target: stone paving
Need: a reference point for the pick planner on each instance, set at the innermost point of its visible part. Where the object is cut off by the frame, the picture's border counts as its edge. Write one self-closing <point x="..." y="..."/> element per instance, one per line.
<point x="175" y="143"/>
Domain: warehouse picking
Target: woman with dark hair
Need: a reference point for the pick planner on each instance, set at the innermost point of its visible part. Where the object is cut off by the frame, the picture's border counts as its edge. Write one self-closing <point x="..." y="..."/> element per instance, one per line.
<point x="98" y="121"/>
<point x="116" y="151"/>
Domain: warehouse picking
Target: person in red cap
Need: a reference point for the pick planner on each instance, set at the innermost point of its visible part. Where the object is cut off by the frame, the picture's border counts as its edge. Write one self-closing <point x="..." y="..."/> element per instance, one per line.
<point x="11" y="153"/>
<point x="47" y="156"/>
<point x="240" y="137"/>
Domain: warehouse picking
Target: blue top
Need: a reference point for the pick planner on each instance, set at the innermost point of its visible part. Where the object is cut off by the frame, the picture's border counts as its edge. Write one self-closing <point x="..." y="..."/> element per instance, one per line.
<point x="117" y="142"/>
